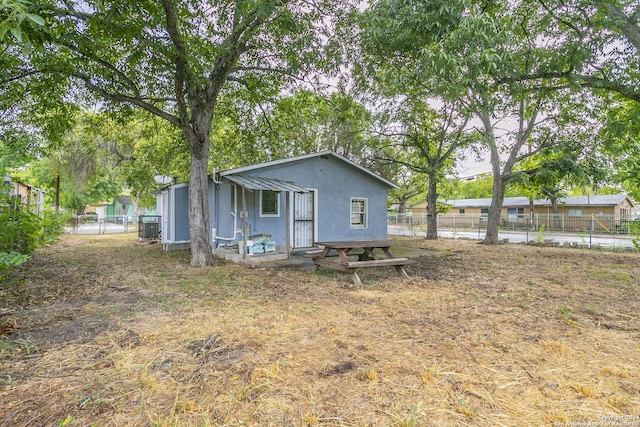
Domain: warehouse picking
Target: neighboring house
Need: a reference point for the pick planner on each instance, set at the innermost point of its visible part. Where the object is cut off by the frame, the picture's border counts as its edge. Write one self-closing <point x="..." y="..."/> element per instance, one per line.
<point x="296" y="201"/>
<point x="619" y="205"/>
<point x="28" y="195"/>
<point x="118" y="210"/>
<point x="479" y="207"/>
<point x="616" y="205"/>
<point x="616" y="208"/>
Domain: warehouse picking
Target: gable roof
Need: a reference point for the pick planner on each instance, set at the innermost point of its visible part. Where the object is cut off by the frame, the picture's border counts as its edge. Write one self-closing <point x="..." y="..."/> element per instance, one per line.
<point x="486" y="202"/>
<point x="595" y="200"/>
<point x="325" y="153"/>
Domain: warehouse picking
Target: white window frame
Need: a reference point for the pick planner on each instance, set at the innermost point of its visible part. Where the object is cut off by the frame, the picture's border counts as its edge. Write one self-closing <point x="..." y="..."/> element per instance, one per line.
<point x="272" y="215"/>
<point x="365" y="213"/>
<point x="574" y="213"/>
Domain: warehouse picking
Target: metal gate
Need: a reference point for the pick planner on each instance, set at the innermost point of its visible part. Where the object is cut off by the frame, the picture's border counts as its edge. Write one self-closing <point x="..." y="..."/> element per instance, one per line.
<point x="303" y="220"/>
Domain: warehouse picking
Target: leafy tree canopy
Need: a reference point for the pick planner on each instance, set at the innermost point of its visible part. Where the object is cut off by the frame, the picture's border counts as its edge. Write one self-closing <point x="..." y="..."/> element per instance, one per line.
<point x="176" y="60"/>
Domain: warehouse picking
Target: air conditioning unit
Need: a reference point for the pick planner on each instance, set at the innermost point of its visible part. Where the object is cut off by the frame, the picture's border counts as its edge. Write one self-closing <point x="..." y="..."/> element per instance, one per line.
<point x="149" y="230"/>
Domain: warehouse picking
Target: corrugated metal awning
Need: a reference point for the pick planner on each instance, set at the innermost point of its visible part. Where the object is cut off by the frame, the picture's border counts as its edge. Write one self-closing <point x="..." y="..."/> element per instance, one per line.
<point x="262" y="183"/>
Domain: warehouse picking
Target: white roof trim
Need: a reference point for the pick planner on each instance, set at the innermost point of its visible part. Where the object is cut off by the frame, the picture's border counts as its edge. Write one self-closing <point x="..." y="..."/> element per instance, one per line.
<point x="304" y="157"/>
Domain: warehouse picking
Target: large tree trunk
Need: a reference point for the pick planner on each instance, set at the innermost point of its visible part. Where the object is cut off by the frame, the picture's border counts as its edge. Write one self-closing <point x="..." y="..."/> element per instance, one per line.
<point x="432" y="208"/>
<point x="493" y="220"/>
<point x="501" y="175"/>
<point x="402" y="205"/>
<point x="201" y="253"/>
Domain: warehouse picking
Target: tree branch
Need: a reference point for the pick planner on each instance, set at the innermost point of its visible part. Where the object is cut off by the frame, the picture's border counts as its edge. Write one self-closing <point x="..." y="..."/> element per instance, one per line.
<point x="182" y="73"/>
<point x="118" y="97"/>
<point x="564" y="22"/>
<point x="587" y="81"/>
<point x="628" y="25"/>
<point x="105" y="64"/>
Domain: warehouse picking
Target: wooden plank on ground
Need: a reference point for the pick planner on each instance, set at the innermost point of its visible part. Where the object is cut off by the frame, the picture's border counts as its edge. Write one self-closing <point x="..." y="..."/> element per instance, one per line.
<point x="379" y="262"/>
<point x="333" y="264"/>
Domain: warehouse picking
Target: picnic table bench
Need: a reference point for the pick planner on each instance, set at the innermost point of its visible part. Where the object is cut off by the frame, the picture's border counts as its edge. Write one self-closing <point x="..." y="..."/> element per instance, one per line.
<point x="336" y="255"/>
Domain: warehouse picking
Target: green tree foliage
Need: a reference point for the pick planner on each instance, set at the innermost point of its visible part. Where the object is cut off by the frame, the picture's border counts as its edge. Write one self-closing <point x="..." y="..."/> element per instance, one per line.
<point x="411" y="185"/>
<point x="307" y="122"/>
<point x="176" y="60"/>
<point x="134" y="149"/>
<point x="14" y="15"/>
<point x="301" y="123"/>
<point x="478" y="188"/>
<point x="82" y="168"/>
<point x="474" y="54"/>
<point x="593" y="44"/>
<point x="622" y="142"/>
<point x="426" y="141"/>
<point x="455" y="52"/>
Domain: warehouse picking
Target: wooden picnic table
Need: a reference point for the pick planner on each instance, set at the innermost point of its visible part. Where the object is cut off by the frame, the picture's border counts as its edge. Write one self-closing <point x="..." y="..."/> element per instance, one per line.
<point x="336" y="255"/>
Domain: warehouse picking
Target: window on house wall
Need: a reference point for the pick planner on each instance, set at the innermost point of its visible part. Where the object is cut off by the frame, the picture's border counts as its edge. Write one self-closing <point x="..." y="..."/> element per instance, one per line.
<point x="269" y="203"/>
<point x="515" y="214"/>
<point x="484" y="212"/>
<point x="358" y="213"/>
<point x="461" y="211"/>
<point x="575" y="212"/>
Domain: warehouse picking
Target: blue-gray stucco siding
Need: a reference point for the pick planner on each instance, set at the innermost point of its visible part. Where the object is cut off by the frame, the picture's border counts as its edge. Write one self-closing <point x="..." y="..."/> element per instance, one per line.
<point x="335" y="182"/>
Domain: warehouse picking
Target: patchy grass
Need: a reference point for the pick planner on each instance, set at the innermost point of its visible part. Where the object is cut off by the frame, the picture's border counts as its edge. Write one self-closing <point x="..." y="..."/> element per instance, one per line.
<point x="104" y="330"/>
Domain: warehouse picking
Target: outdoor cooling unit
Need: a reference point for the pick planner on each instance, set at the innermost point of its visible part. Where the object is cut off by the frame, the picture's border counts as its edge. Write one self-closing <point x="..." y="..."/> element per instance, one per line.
<point x="148" y="227"/>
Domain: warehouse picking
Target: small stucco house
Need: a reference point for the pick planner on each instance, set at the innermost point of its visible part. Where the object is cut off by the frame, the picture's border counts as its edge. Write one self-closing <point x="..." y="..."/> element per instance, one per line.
<point x="296" y="202"/>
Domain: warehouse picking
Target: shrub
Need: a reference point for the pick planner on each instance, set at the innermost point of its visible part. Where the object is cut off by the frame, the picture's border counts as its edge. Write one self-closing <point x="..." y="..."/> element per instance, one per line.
<point x="22" y="231"/>
<point x="11" y="259"/>
<point x="19" y="228"/>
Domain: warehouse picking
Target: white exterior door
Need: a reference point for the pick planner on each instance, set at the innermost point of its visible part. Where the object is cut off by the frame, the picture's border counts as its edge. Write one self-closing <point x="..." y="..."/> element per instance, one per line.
<point x="303" y="219"/>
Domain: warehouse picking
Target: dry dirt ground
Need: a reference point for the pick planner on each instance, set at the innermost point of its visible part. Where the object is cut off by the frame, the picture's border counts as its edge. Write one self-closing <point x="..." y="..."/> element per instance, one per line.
<point x="108" y="331"/>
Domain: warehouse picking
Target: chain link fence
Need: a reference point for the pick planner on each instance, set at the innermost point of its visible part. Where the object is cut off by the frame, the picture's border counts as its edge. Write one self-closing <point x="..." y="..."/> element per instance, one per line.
<point x="107" y="224"/>
<point x="587" y="230"/>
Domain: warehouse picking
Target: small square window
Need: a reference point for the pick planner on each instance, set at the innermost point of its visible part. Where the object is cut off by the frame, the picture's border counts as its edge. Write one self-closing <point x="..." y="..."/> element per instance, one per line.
<point x="461" y="211"/>
<point x="358" y="213"/>
<point x="269" y="203"/>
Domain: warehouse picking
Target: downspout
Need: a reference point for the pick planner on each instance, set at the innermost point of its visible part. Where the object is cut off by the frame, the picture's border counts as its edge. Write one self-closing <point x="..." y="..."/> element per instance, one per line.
<point x="244" y="224"/>
<point x="234" y="214"/>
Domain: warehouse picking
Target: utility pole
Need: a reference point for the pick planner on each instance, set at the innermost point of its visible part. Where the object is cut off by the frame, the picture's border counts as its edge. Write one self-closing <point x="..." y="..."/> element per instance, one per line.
<point x="58" y="194"/>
